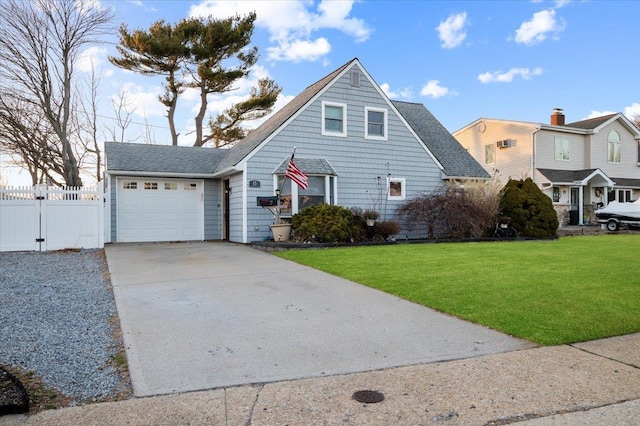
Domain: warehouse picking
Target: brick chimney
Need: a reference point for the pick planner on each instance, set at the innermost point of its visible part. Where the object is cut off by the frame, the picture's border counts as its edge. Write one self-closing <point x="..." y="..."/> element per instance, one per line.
<point x="557" y="117"/>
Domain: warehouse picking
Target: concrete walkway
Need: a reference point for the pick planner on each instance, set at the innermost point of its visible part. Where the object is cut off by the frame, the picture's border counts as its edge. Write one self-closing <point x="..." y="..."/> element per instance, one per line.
<point x="207" y="315"/>
<point x="592" y="383"/>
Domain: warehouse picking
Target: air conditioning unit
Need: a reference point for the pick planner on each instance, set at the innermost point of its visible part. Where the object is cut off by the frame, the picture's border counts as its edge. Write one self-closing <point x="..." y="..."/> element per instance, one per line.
<point x="506" y="143"/>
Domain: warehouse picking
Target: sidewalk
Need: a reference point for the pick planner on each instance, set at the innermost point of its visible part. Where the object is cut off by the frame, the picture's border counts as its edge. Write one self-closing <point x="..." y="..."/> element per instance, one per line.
<point x="588" y="383"/>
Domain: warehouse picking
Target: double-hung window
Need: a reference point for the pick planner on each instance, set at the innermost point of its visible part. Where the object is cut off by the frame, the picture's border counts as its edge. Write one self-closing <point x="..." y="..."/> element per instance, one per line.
<point x="490" y="153"/>
<point x="321" y="190"/>
<point x="334" y="119"/>
<point x="376" y="125"/>
<point x="562" y="149"/>
<point x="613" y="147"/>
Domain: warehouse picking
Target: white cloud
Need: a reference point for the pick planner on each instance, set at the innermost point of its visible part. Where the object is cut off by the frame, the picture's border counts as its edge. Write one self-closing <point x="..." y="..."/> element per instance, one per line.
<point x="405" y="93"/>
<point x="451" y="31"/>
<point x="142" y="102"/>
<point x="632" y="111"/>
<point x="291" y="24"/>
<point x="299" y="50"/>
<point x="541" y="25"/>
<point x="91" y="58"/>
<point x="433" y="89"/>
<point x="507" y="77"/>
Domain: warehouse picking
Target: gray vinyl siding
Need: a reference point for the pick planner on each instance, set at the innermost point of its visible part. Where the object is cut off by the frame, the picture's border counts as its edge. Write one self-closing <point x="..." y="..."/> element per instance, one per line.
<point x="627" y="168"/>
<point x="235" y="208"/>
<point x="212" y="210"/>
<point x="357" y="161"/>
<point x="545" y="151"/>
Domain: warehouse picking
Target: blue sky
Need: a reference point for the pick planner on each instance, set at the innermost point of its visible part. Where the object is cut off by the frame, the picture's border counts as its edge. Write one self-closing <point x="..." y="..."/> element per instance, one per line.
<point x="463" y="59"/>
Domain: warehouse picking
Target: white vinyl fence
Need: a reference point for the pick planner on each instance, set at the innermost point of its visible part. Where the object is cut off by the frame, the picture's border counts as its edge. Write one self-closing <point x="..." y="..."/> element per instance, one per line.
<point x="45" y="218"/>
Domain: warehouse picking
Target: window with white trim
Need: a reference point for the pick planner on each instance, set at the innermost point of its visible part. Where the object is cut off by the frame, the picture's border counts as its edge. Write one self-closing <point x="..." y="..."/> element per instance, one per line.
<point x="293" y="198"/>
<point x="396" y="189"/>
<point x="490" y="153"/>
<point x="613" y="147"/>
<point x="334" y="119"/>
<point x="376" y="123"/>
<point x="562" y="149"/>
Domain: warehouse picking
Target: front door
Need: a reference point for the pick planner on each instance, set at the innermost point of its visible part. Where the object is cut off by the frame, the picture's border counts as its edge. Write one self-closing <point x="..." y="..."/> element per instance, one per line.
<point x="574" y="207"/>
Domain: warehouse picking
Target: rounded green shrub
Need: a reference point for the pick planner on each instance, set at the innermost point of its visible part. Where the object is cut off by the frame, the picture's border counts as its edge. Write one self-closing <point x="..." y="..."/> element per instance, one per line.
<point x="531" y="211"/>
<point x="324" y="223"/>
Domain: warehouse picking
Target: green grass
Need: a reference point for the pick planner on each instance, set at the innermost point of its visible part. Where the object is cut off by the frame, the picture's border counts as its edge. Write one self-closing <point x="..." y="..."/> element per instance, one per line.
<point x="550" y="292"/>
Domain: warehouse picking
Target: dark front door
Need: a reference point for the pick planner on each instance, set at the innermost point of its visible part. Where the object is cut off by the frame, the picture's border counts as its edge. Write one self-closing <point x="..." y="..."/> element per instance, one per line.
<point x="574" y="207"/>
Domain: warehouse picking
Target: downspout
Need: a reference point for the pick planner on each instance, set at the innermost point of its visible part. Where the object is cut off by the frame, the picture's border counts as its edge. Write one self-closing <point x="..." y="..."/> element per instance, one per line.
<point x="533" y="153"/>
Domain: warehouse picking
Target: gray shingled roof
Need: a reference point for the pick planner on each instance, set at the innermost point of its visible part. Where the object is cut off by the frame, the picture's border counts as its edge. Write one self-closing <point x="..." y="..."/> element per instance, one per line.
<point x="137" y="157"/>
<point x="257" y="136"/>
<point x="453" y="157"/>
<point x="635" y="183"/>
<point x="566" y="175"/>
<point x="591" y="123"/>
<point x="311" y="166"/>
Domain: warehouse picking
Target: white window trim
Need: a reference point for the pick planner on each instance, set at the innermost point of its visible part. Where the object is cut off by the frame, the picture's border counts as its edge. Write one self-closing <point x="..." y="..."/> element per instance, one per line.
<point x="568" y="148"/>
<point x="326" y="132"/>
<point x="495" y="153"/>
<point x="403" y="187"/>
<point x="384" y="137"/>
<point x="294" y="191"/>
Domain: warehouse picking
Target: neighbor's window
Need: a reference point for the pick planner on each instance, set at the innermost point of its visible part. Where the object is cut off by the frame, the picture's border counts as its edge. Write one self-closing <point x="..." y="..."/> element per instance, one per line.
<point x="613" y="147"/>
<point x="490" y="153"/>
<point x="130" y="185"/>
<point x="376" y="125"/>
<point x="562" y="149"/>
<point x="151" y="185"/>
<point x="334" y="119"/>
<point x="556" y="194"/>
<point x="396" y="189"/>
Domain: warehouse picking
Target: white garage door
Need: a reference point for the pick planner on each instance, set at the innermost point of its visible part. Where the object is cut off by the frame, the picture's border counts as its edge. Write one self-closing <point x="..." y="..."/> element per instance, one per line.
<point x="159" y="210"/>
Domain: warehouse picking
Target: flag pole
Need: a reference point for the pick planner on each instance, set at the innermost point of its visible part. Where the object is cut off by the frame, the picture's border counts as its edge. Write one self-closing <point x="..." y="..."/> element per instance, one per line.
<point x="279" y="190"/>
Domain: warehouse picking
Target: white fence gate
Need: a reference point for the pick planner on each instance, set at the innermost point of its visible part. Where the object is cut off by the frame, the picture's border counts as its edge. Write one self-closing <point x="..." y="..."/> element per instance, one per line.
<point x="45" y="218"/>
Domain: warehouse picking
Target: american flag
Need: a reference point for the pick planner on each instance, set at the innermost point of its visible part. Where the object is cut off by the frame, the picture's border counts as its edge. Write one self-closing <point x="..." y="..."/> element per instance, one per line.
<point x="296" y="175"/>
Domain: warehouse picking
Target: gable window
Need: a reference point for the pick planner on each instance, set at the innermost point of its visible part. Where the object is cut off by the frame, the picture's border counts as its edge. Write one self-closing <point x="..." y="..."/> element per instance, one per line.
<point x="613" y="147"/>
<point x="376" y="125"/>
<point x="334" y="119"/>
<point x="562" y="149"/>
<point x="490" y="153"/>
<point x="396" y="189"/>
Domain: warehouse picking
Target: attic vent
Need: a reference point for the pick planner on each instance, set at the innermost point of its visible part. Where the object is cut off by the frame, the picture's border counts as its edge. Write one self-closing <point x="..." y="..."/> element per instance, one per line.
<point x="355" y="78"/>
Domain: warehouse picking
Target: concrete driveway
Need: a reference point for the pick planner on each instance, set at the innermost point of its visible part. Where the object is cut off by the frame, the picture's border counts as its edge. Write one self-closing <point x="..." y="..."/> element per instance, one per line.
<point x="206" y="315"/>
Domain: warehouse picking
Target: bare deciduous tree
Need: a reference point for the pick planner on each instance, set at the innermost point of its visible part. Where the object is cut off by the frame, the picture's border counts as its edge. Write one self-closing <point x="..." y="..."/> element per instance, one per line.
<point x="40" y="42"/>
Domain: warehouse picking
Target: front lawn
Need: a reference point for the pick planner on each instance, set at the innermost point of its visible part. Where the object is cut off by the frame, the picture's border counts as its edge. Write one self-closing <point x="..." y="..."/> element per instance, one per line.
<point x="549" y="292"/>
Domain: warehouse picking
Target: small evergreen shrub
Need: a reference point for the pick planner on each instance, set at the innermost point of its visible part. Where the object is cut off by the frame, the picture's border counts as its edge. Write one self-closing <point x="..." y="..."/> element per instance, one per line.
<point x="531" y="211"/>
<point x="324" y="223"/>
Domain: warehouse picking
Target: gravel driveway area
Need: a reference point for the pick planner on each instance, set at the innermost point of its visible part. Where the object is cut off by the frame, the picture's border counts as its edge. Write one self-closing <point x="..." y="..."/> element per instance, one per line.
<point x="57" y="319"/>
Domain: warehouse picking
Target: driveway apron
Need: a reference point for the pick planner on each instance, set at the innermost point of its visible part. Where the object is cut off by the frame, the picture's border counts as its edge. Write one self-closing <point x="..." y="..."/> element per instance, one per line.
<point x="206" y="315"/>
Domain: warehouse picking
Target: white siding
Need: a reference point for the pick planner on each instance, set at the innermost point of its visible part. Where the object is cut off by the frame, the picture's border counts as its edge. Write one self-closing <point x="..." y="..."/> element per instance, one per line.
<point x="513" y="162"/>
<point x="627" y="168"/>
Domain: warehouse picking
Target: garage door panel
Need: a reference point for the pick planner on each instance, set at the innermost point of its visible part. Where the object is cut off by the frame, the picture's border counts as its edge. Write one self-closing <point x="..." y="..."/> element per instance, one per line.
<point x="168" y="213"/>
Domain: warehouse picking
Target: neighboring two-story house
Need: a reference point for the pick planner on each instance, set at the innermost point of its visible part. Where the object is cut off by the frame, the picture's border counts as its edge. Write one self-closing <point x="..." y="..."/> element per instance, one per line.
<point x="580" y="166"/>
<point x="358" y="148"/>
